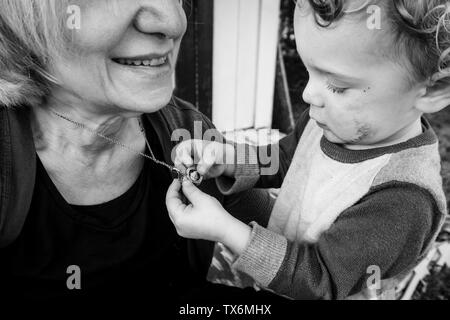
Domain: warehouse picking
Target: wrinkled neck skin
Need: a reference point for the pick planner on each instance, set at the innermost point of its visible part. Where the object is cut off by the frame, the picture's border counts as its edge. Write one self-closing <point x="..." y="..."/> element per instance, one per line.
<point x="86" y="168"/>
<point x="55" y="133"/>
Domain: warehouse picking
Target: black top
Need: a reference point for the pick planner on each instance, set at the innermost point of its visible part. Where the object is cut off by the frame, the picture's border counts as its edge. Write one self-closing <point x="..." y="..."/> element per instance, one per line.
<point x="22" y="265"/>
<point x="125" y="248"/>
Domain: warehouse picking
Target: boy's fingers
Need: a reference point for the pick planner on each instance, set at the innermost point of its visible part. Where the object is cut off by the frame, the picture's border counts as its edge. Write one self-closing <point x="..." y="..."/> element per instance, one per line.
<point x="192" y="193"/>
<point x="185" y="157"/>
<point x="204" y="167"/>
<point x="209" y="159"/>
<point x="173" y="199"/>
<point x="183" y="151"/>
<point x="177" y="164"/>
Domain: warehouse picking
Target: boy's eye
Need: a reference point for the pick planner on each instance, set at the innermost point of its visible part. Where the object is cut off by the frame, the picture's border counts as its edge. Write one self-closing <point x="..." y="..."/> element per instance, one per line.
<point x="335" y="89"/>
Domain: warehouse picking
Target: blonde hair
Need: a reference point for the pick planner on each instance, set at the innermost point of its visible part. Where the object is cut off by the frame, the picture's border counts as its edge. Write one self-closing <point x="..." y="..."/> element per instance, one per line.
<point x="31" y="33"/>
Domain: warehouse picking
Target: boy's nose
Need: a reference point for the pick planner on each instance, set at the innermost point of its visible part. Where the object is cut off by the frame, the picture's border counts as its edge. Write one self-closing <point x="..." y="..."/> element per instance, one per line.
<point x="311" y="95"/>
<point x="163" y="18"/>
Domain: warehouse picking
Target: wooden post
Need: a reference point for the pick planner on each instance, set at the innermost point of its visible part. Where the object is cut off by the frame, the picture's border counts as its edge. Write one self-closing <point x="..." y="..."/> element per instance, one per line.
<point x="194" y="69"/>
<point x="245" y="50"/>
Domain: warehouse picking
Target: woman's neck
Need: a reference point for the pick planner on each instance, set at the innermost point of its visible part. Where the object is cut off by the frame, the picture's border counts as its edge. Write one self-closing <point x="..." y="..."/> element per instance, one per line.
<point x="81" y="163"/>
<point x="52" y="131"/>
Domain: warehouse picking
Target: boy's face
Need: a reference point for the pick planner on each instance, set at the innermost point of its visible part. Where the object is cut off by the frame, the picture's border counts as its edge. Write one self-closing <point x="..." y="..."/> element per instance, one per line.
<point x="360" y="98"/>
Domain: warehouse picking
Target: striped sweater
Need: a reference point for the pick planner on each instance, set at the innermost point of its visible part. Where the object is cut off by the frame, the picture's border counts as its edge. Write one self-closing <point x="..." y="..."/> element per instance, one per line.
<point x="340" y="215"/>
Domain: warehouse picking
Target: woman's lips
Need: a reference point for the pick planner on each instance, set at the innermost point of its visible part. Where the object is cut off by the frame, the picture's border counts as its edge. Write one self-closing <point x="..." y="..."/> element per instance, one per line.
<point x="156" y="62"/>
<point x="151" y="65"/>
<point x="144" y="60"/>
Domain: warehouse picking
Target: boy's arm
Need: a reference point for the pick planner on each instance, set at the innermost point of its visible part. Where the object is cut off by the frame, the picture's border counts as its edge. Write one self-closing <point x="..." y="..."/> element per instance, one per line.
<point x="263" y="166"/>
<point x="387" y="229"/>
<point x="253" y="205"/>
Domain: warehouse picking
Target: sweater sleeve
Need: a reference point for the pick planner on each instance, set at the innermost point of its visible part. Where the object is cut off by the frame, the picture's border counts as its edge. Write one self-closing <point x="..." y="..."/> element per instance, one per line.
<point x="253" y="205"/>
<point x="263" y="166"/>
<point x="389" y="228"/>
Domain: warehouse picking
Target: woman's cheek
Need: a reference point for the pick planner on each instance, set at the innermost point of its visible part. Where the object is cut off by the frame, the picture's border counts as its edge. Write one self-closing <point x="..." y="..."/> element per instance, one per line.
<point x="102" y="25"/>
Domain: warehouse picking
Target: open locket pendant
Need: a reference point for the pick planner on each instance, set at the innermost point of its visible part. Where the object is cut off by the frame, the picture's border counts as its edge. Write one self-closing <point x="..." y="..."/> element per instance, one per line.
<point x="191" y="174"/>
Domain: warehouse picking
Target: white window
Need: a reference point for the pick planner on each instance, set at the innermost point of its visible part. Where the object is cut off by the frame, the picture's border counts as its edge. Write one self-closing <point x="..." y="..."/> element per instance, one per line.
<point x="244" y="63"/>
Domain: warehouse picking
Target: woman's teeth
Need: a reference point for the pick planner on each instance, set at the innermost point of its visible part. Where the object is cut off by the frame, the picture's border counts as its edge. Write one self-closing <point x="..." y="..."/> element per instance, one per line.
<point x="146" y="63"/>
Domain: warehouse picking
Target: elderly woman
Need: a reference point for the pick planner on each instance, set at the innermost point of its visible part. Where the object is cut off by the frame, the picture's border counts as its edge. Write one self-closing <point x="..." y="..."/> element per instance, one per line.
<point x="86" y="108"/>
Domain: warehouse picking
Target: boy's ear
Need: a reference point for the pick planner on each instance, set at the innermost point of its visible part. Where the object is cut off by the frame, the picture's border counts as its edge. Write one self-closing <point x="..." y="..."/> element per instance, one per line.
<point x="435" y="97"/>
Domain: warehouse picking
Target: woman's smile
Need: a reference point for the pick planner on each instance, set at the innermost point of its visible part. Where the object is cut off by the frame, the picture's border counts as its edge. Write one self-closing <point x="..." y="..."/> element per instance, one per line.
<point x="154" y="65"/>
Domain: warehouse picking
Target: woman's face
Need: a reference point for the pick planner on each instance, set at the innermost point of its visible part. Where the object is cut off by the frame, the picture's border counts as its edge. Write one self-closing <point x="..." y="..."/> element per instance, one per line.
<point x="125" y="58"/>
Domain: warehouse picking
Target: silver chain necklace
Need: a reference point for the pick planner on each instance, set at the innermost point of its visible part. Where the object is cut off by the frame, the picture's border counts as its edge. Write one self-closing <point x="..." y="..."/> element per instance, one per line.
<point x="191" y="173"/>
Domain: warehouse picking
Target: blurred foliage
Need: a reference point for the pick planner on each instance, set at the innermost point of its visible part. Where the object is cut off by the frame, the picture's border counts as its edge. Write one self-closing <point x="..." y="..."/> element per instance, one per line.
<point x="435" y="286"/>
<point x="441" y="124"/>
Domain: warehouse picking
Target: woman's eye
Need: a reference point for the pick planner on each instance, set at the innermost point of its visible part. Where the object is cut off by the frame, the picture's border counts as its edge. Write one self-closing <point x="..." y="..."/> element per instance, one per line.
<point x="335" y="89"/>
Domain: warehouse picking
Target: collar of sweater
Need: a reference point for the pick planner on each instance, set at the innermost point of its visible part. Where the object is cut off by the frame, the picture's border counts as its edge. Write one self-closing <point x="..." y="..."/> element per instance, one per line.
<point x="339" y="153"/>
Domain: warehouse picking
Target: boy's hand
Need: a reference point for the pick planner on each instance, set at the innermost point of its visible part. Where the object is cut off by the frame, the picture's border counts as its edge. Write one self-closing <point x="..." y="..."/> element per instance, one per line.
<point x="205" y="218"/>
<point x="213" y="159"/>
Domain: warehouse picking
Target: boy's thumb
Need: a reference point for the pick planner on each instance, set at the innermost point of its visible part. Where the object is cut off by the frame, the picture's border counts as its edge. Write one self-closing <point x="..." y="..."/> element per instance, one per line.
<point x="192" y="193"/>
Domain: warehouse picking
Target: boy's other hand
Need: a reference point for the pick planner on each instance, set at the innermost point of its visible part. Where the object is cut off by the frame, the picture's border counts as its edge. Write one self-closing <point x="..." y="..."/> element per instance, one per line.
<point x="212" y="159"/>
<point x="204" y="218"/>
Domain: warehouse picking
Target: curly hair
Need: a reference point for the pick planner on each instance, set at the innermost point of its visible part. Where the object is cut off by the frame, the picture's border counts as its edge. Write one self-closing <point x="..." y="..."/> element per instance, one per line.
<point x="420" y="31"/>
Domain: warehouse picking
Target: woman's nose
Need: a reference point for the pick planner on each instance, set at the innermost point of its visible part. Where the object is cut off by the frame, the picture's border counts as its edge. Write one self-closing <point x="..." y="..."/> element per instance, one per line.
<point x="311" y="94"/>
<point x="164" y="18"/>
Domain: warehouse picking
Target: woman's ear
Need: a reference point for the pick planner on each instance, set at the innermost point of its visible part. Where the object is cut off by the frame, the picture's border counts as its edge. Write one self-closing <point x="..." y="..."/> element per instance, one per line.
<point x="434" y="97"/>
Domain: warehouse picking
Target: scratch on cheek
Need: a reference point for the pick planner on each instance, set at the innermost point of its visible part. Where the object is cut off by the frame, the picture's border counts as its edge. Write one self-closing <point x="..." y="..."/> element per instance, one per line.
<point x="362" y="133"/>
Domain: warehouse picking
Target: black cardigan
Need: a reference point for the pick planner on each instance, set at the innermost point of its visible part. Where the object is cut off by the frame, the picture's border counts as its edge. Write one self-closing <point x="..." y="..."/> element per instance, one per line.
<point x="18" y="170"/>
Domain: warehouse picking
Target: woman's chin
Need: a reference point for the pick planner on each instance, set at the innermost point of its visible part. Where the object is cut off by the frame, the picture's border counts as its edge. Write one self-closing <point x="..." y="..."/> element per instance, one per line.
<point x="147" y="103"/>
